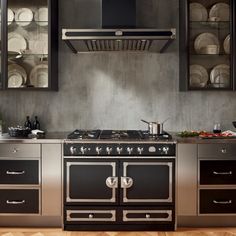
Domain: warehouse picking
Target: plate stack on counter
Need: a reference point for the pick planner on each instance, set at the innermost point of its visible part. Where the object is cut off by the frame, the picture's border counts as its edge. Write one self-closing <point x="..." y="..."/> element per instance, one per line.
<point x="210" y="73"/>
<point x="26" y="51"/>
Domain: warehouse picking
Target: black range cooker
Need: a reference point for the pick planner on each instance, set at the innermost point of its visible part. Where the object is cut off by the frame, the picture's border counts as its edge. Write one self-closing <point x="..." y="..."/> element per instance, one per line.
<point x="119" y="180"/>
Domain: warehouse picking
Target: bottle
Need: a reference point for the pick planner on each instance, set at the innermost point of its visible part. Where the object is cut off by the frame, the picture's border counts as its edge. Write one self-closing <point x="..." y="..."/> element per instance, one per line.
<point x="36" y="124"/>
<point x="28" y="122"/>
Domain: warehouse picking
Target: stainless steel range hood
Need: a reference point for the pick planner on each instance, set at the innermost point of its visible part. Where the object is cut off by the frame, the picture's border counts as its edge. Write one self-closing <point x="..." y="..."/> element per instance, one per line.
<point x="118" y="32"/>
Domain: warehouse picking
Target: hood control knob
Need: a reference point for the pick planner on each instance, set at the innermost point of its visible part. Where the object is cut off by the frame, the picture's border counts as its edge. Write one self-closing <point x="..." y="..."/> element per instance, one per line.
<point x="98" y="150"/>
<point x="119" y="150"/>
<point x="109" y="150"/>
<point x="140" y="150"/>
<point x="72" y="150"/>
<point x="129" y="150"/>
<point x="83" y="150"/>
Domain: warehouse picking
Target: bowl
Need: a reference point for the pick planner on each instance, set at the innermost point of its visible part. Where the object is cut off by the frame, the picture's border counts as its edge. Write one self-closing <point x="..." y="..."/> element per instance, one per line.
<point x="234" y="124"/>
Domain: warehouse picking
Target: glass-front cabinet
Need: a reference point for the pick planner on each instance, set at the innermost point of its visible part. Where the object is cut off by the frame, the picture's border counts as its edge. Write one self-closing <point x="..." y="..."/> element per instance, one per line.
<point x="207" y="58"/>
<point x="30" y="44"/>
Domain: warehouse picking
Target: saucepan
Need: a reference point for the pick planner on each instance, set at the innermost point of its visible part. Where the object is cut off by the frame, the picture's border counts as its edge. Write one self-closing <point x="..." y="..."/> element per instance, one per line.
<point x="155" y="127"/>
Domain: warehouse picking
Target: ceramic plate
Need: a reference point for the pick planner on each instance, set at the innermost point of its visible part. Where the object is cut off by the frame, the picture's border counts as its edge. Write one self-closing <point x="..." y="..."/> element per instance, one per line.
<point x="203" y="40"/>
<point x="39" y="76"/>
<point x="197" y="12"/>
<point x="198" y="76"/>
<point x="40" y="44"/>
<point x="24" y="16"/>
<point x="16" y="76"/>
<point x="41" y="16"/>
<point x="227" y="44"/>
<point x="220" y="76"/>
<point x="10" y="16"/>
<point x="220" y="11"/>
<point x="16" y="42"/>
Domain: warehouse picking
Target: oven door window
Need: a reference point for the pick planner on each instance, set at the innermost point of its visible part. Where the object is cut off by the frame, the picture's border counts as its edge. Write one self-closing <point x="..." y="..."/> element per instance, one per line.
<point x="91" y="182"/>
<point x="147" y="182"/>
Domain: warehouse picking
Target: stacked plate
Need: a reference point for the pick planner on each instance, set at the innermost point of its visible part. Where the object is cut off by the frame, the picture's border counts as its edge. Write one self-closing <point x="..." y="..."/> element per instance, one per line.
<point x="198" y="76"/>
<point x="16" y="43"/>
<point x="39" y="76"/>
<point x="23" y="16"/>
<point x="220" y="76"/>
<point x="16" y="76"/>
<point x="227" y="44"/>
<point x="198" y="12"/>
<point x="41" y="16"/>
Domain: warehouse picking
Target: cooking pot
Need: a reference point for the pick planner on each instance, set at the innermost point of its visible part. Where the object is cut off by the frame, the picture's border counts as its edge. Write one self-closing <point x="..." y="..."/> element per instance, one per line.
<point x="154" y="128"/>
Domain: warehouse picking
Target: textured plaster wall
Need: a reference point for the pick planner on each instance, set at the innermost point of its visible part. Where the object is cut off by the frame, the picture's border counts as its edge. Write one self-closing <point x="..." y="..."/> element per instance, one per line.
<point x="116" y="90"/>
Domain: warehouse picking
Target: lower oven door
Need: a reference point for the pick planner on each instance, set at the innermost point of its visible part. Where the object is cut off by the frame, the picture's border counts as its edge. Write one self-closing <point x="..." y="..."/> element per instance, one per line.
<point x="90" y="181"/>
<point x="148" y="181"/>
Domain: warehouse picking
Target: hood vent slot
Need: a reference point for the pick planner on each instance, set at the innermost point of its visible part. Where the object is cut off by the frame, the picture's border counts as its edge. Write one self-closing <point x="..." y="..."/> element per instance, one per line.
<point x="104" y="40"/>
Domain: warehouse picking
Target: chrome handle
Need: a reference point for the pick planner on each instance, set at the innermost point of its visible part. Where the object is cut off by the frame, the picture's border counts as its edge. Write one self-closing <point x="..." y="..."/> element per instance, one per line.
<point x="91" y="216"/>
<point x="224" y="150"/>
<point x="112" y="182"/>
<point x="148" y="216"/>
<point x="222" y="202"/>
<point x="222" y="173"/>
<point x="126" y="182"/>
<point x="15" y="172"/>
<point x="15" y="150"/>
<point x="15" y="202"/>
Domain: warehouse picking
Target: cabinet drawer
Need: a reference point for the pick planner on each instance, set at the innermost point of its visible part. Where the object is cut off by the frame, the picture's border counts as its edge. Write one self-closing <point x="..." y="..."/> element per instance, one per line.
<point x="19" y="201"/>
<point x="19" y="172"/>
<point x="217" y="201"/>
<point x="19" y="150"/>
<point x="90" y="215"/>
<point x="217" y="150"/>
<point x="147" y="216"/>
<point x="218" y="172"/>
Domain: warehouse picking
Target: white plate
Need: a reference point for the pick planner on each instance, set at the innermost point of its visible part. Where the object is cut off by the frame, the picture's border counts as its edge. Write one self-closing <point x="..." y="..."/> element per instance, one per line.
<point x="24" y="16"/>
<point x="220" y="11"/>
<point x="39" y="76"/>
<point x="40" y="44"/>
<point x="227" y="44"/>
<point x="198" y="12"/>
<point x="220" y="76"/>
<point x="203" y="40"/>
<point x="10" y="16"/>
<point x="16" y="76"/>
<point x="16" y="42"/>
<point x="41" y="16"/>
<point x="198" y="76"/>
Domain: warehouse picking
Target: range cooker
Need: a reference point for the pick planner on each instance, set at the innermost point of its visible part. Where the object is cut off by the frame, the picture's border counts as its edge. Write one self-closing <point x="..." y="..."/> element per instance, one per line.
<point x="119" y="180"/>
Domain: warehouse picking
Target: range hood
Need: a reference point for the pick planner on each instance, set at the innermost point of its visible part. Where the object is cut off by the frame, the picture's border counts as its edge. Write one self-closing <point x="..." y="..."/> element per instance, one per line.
<point x="118" y="32"/>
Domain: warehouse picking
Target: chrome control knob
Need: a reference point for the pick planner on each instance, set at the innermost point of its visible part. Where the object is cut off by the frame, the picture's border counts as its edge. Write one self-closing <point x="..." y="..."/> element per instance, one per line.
<point x="119" y="150"/>
<point x="130" y="150"/>
<point x="140" y="150"/>
<point x="98" y="150"/>
<point x="109" y="150"/>
<point x="83" y="150"/>
<point x="72" y="150"/>
<point x="165" y="150"/>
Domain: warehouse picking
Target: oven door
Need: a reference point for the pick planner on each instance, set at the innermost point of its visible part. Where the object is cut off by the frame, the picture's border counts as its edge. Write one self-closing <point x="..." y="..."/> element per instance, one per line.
<point x="148" y="181"/>
<point x="90" y="181"/>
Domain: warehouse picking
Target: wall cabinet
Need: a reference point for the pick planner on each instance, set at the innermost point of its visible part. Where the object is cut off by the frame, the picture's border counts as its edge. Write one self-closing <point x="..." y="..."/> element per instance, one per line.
<point x="207" y="45"/>
<point x="29" y="44"/>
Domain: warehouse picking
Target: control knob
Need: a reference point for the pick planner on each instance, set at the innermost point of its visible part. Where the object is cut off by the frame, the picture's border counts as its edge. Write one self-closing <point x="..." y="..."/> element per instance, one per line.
<point x="72" y="150"/>
<point x="129" y="150"/>
<point x="109" y="150"/>
<point x="165" y="150"/>
<point x="140" y="150"/>
<point x="98" y="150"/>
<point x="119" y="150"/>
<point x="83" y="150"/>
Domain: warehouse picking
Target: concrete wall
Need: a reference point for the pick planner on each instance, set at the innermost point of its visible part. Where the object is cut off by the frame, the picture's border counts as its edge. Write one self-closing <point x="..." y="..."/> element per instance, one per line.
<point x="116" y="90"/>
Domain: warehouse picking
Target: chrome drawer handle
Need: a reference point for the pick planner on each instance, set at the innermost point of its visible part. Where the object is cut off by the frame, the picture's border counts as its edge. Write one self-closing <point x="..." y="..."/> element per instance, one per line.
<point x="112" y="182"/>
<point x="91" y="216"/>
<point x="15" y="202"/>
<point x="222" y="202"/>
<point x="224" y="150"/>
<point x="15" y="150"/>
<point x="223" y="173"/>
<point x="126" y="182"/>
<point x="148" y="216"/>
<point x="15" y="172"/>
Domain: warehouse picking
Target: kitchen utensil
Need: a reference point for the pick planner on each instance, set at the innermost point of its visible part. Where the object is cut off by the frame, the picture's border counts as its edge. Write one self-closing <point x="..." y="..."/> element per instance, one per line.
<point x="198" y="76"/>
<point x="198" y="12"/>
<point x="155" y="128"/>
<point x="221" y="11"/>
<point x="220" y="76"/>
<point x="41" y="16"/>
<point x="227" y="44"/>
<point x="19" y="131"/>
<point x="23" y="16"/>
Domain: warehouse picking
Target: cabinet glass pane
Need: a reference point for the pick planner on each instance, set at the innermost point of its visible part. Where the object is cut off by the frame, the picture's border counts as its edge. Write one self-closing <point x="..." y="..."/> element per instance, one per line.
<point x="1" y="48"/>
<point x="28" y="44"/>
<point x="209" y="44"/>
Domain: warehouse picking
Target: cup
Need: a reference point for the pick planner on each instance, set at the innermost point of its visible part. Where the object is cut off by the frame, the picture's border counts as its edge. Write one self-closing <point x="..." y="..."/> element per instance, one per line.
<point x="217" y="128"/>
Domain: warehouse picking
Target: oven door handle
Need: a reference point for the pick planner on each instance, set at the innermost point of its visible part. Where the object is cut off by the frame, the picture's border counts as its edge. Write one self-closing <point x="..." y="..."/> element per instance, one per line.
<point x="126" y="182"/>
<point x="112" y="182"/>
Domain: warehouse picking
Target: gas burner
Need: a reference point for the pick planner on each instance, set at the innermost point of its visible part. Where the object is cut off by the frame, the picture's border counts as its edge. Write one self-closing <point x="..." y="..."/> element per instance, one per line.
<point x="121" y="134"/>
<point x="84" y="134"/>
<point x="147" y="136"/>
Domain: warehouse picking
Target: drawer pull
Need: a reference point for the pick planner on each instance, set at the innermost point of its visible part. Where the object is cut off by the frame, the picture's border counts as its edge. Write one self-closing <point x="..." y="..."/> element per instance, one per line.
<point x="224" y="150"/>
<point x="91" y="216"/>
<point x="112" y="182"/>
<point x="15" y="172"/>
<point x="148" y="216"/>
<point x="222" y="202"/>
<point x="223" y="173"/>
<point x="15" y="202"/>
<point x="126" y="182"/>
<point x="15" y="150"/>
